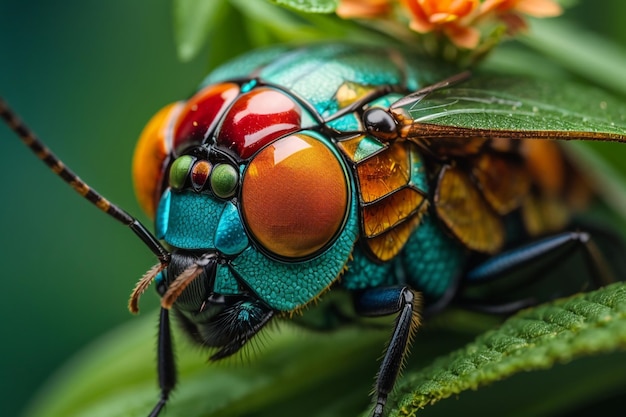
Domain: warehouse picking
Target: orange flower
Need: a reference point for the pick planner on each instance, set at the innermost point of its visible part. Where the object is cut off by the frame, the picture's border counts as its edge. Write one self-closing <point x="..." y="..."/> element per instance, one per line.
<point x="535" y="8"/>
<point x="510" y="11"/>
<point x="447" y="16"/>
<point x="363" y="9"/>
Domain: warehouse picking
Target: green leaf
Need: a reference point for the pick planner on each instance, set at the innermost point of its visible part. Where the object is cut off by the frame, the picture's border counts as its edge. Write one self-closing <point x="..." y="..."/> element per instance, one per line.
<point x="282" y="25"/>
<point x="518" y="105"/>
<point x="193" y="22"/>
<point x="310" y="6"/>
<point x="275" y="376"/>
<point x="297" y="372"/>
<point x="259" y="23"/>
<point x="539" y="338"/>
<point x="239" y="40"/>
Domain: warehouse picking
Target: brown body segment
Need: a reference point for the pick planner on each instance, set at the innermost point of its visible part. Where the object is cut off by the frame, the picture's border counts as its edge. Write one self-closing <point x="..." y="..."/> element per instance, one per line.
<point x="476" y="179"/>
<point x="391" y="204"/>
<point x="475" y="190"/>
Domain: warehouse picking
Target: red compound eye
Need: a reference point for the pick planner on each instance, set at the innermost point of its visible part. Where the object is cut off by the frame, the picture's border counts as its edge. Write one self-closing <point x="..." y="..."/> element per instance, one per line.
<point x="257" y="118"/>
<point x="294" y="196"/>
<point x="201" y="111"/>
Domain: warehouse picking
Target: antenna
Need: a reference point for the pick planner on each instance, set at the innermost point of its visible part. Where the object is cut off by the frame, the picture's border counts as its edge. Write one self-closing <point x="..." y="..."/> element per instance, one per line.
<point x="58" y="167"/>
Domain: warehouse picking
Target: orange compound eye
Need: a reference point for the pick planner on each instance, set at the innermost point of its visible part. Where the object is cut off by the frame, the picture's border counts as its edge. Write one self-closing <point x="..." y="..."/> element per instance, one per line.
<point x="294" y="196"/>
<point x="151" y="152"/>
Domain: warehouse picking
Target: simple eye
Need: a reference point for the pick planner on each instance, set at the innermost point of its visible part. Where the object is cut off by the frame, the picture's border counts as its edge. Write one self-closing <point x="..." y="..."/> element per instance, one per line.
<point x="224" y="180"/>
<point x="180" y="170"/>
<point x="188" y="171"/>
<point x="294" y="196"/>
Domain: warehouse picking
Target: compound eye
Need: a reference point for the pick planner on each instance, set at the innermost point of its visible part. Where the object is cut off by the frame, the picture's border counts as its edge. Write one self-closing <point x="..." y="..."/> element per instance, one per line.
<point x="294" y="196"/>
<point x="224" y="179"/>
<point x="180" y="170"/>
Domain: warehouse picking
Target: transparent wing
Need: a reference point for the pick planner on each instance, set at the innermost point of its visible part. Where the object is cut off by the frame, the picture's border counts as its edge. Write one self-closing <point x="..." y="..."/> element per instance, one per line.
<point x="470" y="127"/>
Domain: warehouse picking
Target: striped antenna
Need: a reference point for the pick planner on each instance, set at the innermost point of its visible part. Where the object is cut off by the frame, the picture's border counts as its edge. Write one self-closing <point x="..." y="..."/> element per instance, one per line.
<point x="59" y="168"/>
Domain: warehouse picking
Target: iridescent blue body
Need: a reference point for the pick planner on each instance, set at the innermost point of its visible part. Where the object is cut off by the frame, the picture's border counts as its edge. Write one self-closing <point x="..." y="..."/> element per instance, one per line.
<point x="315" y="192"/>
<point x="430" y="258"/>
<point x="293" y="172"/>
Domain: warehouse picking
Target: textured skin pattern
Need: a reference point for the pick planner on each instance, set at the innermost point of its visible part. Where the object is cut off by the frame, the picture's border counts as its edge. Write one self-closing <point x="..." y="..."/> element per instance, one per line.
<point x="316" y="74"/>
<point x="431" y="259"/>
<point x="288" y="286"/>
<point x="193" y="220"/>
<point x="322" y="80"/>
<point x="230" y="236"/>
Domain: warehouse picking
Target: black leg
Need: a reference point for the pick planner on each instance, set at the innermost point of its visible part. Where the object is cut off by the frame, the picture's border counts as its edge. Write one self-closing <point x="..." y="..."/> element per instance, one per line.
<point x="543" y="254"/>
<point x="166" y="367"/>
<point x="566" y="242"/>
<point x="382" y="302"/>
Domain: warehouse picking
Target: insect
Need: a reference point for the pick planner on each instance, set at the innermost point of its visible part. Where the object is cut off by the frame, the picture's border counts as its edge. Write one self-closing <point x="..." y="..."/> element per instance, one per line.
<point x="293" y="173"/>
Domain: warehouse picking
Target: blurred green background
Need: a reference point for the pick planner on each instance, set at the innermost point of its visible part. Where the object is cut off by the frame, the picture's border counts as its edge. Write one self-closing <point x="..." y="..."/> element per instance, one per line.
<point x="86" y="75"/>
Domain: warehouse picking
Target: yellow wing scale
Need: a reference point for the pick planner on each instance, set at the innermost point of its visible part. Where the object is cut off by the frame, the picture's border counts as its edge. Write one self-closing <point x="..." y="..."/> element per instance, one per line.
<point x="462" y="208"/>
<point x="391" y="204"/>
<point x="478" y="180"/>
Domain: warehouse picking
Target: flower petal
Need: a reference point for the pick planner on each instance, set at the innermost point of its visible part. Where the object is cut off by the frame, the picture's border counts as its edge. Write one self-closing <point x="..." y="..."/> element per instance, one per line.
<point x="463" y="36"/>
<point x="365" y="9"/>
<point x="442" y="18"/>
<point x="496" y="6"/>
<point x="539" y="8"/>
<point x="421" y="26"/>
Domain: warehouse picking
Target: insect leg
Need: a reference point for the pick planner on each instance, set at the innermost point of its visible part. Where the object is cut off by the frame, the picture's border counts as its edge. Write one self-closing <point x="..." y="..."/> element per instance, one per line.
<point x="166" y="367"/>
<point x="382" y="302"/>
<point x="545" y="252"/>
<point x="566" y="241"/>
